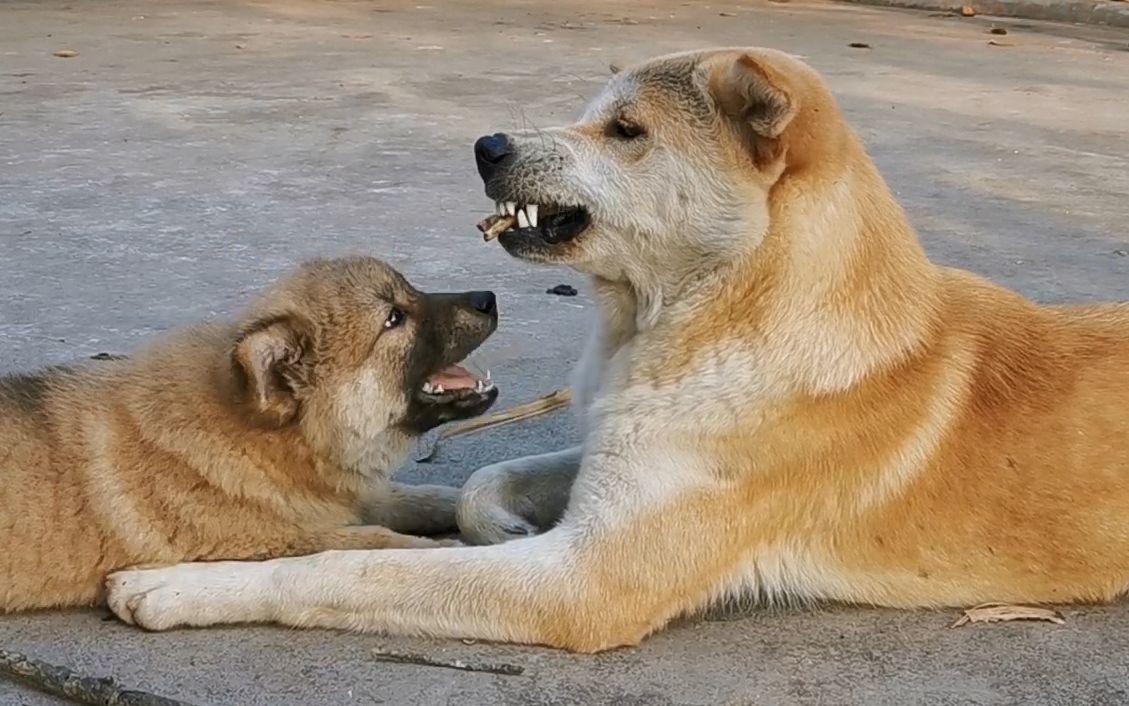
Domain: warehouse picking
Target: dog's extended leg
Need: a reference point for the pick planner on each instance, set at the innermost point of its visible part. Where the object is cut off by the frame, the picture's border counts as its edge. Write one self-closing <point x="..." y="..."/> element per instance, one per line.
<point x="617" y="567"/>
<point x="413" y="509"/>
<point x="517" y="498"/>
<point x="362" y="537"/>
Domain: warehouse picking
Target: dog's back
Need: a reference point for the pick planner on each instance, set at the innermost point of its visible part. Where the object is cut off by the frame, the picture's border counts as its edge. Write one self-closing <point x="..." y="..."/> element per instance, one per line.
<point x="45" y="524"/>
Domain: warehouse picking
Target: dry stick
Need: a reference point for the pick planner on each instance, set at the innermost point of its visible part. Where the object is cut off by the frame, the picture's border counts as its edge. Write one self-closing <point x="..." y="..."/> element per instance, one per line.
<point x="62" y="682"/>
<point x="542" y="405"/>
<point x="384" y="655"/>
<point x="493" y="226"/>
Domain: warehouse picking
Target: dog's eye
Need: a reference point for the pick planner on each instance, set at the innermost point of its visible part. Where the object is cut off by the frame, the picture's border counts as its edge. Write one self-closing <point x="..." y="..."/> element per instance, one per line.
<point x="627" y="130"/>
<point x="395" y="318"/>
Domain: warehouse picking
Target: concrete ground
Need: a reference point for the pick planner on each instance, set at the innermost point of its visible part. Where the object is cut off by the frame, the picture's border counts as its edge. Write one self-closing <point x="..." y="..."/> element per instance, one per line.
<point x="193" y="150"/>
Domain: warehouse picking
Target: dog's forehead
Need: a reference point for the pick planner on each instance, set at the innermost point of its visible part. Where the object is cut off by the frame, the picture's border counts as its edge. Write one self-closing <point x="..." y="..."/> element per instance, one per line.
<point x="675" y="82"/>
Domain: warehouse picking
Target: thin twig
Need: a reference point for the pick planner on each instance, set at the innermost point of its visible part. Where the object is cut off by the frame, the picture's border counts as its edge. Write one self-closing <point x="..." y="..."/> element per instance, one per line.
<point x="503" y="668"/>
<point x="76" y="688"/>
<point x="542" y="405"/>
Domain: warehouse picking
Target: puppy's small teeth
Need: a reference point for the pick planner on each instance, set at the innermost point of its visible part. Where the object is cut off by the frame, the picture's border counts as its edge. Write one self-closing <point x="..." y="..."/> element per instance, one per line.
<point x="427" y="387"/>
<point x="438" y="389"/>
<point x="500" y="208"/>
<point x="522" y="219"/>
<point x="531" y="212"/>
<point x="511" y="208"/>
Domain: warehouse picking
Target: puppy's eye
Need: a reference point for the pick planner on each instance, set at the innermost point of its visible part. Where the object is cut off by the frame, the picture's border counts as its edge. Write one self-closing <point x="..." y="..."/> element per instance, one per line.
<point x="395" y="319"/>
<point x="626" y="130"/>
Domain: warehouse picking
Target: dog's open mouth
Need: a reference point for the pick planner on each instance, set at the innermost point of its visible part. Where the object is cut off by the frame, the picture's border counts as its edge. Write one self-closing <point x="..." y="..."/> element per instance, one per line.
<point x="456" y="381"/>
<point x="550" y="222"/>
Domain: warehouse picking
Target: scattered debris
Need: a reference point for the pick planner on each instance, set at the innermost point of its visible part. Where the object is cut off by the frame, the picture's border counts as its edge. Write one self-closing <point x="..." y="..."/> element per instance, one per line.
<point x="1003" y="612"/>
<point x="994" y="43"/>
<point x="859" y="45"/>
<point x="503" y="668"/>
<point x="727" y="14"/>
<point x="1121" y="253"/>
<point x="967" y="11"/>
<point x="73" y="687"/>
<point x="997" y="30"/>
<point x="562" y="290"/>
<point x="240" y="46"/>
<point x="542" y="405"/>
<point x="66" y="53"/>
<point x="108" y="356"/>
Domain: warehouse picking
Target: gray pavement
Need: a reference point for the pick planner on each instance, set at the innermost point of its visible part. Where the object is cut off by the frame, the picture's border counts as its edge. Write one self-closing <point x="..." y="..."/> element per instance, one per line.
<point x="193" y="150"/>
<point x="1114" y="13"/>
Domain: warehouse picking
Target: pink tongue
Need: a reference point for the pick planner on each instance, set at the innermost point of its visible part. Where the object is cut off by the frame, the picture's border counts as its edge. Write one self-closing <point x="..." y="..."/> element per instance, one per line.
<point x="453" y="378"/>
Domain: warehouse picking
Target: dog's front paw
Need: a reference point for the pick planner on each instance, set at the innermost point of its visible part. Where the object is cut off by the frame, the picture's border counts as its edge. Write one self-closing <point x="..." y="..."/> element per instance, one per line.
<point x="195" y="595"/>
<point x="146" y="598"/>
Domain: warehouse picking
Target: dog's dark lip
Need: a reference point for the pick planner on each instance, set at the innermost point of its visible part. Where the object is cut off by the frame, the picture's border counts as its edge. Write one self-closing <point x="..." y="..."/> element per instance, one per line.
<point x="565" y="224"/>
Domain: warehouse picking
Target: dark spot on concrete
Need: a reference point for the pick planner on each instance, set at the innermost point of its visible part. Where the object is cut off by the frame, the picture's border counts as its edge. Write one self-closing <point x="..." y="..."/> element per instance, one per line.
<point x="108" y="356"/>
<point x="562" y="290"/>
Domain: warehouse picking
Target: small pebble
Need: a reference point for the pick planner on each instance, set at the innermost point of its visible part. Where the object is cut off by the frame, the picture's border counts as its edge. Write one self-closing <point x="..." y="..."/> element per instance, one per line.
<point x="562" y="290"/>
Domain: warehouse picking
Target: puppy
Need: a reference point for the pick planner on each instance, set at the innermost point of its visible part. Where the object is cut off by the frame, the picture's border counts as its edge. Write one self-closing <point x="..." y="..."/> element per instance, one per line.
<point x="271" y="436"/>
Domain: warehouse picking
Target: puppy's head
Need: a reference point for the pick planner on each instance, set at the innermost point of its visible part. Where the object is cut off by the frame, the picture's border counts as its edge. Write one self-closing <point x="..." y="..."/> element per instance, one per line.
<point x="674" y="161"/>
<point x="353" y="353"/>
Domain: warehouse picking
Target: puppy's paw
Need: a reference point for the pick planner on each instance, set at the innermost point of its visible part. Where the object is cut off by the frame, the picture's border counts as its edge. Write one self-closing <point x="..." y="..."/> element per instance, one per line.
<point x="493" y="525"/>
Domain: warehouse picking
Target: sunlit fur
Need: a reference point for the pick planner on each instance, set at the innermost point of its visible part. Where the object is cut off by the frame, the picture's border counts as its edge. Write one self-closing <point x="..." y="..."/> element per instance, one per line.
<point x="269" y="436"/>
<point x="783" y="398"/>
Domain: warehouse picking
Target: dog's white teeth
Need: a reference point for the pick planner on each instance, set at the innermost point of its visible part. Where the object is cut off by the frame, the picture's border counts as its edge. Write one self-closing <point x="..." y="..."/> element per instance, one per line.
<point x="500" y="208"/>
<point x="522" y="219"/>
<point x="480" y="386"/>
<point x="511" y="208"/>
<point x="531" y="211"/>
<point x="427" y="387"/>
<point x="488" y="375"/>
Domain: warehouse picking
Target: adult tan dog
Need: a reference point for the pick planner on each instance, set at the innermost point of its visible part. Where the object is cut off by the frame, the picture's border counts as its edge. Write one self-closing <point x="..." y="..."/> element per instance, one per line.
<point x="271" y="436"/>
<point x="784" y="396"/>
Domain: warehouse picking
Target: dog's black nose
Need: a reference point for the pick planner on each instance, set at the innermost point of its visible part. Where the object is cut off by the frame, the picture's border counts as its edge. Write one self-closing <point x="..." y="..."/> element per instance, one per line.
<point x="484" y="302"/>
<point x="490" y="152"/>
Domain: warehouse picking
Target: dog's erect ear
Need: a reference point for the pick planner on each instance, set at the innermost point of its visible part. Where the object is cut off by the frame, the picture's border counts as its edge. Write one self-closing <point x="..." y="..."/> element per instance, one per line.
<point x="747" y="93"/>
<point x="274" y="358"/>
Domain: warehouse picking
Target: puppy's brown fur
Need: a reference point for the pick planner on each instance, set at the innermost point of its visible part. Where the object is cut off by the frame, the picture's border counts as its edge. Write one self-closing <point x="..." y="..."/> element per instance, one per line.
<point x="267" y="437"/>
<point x="783" y="396"/>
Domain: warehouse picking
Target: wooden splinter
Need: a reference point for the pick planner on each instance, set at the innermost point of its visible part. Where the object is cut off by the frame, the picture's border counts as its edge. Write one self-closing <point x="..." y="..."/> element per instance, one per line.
<point x="494" y="226"/>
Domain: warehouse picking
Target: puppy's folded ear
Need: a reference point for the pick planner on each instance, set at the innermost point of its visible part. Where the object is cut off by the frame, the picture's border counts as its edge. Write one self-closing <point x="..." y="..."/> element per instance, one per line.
<point x="746" y="92"/>
<point x="273" y="359"/>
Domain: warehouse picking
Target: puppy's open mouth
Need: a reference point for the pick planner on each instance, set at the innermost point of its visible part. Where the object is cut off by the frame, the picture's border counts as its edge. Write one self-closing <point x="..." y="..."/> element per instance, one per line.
<point x="456" y="381"/>
<point x="551" y="223"/>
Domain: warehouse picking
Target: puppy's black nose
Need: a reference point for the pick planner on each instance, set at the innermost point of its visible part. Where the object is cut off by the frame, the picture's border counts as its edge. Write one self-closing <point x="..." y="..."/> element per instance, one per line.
<point x="490" y="153"/>
<point x="483" y="302"/>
